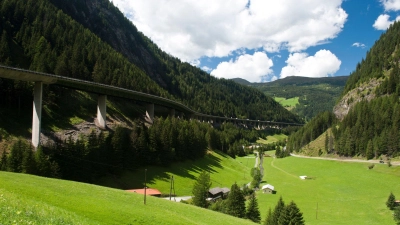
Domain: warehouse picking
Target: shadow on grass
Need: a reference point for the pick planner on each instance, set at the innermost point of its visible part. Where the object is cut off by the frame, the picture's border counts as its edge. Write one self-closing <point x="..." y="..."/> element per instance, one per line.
<point x="188" y="169"/>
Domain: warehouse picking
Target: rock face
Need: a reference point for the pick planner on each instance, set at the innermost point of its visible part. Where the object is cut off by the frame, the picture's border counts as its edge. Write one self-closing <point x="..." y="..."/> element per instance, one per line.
<point x="365" y="91"/>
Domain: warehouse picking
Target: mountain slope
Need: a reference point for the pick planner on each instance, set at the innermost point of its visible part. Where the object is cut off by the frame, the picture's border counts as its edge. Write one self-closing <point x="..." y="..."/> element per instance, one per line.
<point x="189" y="84"/>
<point x="369" y="109"/>
<point x="314" y="95"/>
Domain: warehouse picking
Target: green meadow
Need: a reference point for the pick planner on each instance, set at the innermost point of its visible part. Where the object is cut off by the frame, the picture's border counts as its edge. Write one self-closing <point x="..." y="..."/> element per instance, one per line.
<point x="287" y="103"/>
<point x="337" y="193"/>
<point x="272" y="139"/>
<point x="27" y="199"/>
<point x="224" y="171"/>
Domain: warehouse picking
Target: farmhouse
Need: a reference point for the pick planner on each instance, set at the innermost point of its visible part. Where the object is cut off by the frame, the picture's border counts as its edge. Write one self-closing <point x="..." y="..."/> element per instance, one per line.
<point x="269" y="189"/>
<point x="217" y="192"/>
<point x="149" y="191"/>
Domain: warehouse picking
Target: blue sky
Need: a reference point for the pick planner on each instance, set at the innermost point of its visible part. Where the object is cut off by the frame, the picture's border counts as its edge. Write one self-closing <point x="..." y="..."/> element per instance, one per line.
<point x="264" y="40"/>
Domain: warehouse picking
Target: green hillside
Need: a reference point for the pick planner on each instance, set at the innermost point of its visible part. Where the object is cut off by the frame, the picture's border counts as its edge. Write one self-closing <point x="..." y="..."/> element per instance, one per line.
<point x="224" y="171"/>
<point x="304" y="96"/>
<point x="27" y="199"/>
<point x="77" y="39"/>
<point x="368" y="115"/>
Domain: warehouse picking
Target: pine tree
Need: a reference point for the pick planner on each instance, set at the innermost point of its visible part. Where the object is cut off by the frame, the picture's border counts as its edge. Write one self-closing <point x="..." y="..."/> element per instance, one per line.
<point x="200" y="190"/>
<point x="293" y="214"/>
<point x="396" y="215"/>
<point x="390" y="203"/>
<point x="269" y="218"/>
<point x="14" y="161"/>
<point x="252" y="211"/>
<point x="279" y="209"/>
<point x="28" y="162"/>
<point x="236" y="202"/>
<point x="3" y="161"/>
<point x="370" y="150"/>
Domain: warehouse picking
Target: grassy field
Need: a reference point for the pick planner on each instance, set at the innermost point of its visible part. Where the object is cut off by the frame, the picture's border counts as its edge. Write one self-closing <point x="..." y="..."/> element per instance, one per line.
<point x="343" y="192"/>
<point x="272" y="139"/>
<point x="26" y="199"/>
<point x="224" y="172"/>
<point x="287" y="103"/>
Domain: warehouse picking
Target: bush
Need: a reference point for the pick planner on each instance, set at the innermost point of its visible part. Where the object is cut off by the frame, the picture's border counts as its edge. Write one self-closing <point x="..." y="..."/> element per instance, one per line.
<point x="371" y="166"/>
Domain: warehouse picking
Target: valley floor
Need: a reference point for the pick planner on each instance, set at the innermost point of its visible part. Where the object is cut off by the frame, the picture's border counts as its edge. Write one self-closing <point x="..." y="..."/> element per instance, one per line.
<point x="374" y="161"/>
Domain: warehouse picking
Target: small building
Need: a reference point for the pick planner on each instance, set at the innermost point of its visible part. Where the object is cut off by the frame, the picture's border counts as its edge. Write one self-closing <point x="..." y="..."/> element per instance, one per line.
<point x="217" y="192"/>
<point x="303" y="177"/>
<point x="149" y="191"/>
<point x="397" y="203"/>
<point x="269" y="189"/>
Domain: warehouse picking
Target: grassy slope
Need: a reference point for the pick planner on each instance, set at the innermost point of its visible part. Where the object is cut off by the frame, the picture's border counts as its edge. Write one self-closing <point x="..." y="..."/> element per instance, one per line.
<point x="287" y="103"/>
<point x="271" y="139"/>
<point x="346" y="193"/>
<point x="26" y="199"/>
<point x="224" y="172"/>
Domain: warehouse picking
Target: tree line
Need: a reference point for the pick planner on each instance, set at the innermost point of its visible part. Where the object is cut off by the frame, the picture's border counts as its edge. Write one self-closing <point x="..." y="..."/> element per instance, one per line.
<point x="167" y="141"/>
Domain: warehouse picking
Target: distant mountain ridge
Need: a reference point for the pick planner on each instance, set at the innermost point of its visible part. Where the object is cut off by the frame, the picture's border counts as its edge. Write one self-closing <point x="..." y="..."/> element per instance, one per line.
<point x="305" y="81"/>
<point x="314" y="95"/>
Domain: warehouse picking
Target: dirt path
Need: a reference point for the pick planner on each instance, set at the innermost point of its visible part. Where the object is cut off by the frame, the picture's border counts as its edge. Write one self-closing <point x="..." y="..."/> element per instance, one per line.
<point x="345" y="160"/>
<point x="272" y="164"/>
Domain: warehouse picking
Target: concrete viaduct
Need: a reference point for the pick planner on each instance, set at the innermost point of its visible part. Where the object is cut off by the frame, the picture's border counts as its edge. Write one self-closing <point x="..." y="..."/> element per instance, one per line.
<point x="106" y="90"/>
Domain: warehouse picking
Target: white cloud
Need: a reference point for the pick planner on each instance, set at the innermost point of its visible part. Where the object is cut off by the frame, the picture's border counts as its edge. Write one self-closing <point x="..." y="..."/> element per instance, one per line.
<point x="383" y="22"/>
<point x="358" y="44"/>
<point x="190" y="29"/>
<point x="250" y="67"/>
<point x="206" y="68"/>
<point x="324" y="63"/>
<point x="391" y="5"/>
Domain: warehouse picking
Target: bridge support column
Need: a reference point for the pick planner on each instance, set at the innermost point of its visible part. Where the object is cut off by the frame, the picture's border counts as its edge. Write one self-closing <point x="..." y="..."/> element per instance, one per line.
<point x="37" y="113"/>
<point x="150" y="111"/>
<point x="102" y="111"/>
<point x="172" y="112"/>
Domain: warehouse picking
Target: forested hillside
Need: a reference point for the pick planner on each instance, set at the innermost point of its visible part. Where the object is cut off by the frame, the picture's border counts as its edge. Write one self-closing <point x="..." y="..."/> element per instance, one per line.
<point x="315" y="95"/>
<point x="43" y="38"/>
<point x="370" y="126"/>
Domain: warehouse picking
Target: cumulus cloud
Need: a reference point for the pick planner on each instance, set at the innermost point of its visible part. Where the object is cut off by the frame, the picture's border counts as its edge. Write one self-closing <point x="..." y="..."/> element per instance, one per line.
<point x="391" y="5"/>
<point x="206" y="68"/>
<point x="323" y="64"/>
<point x="358" y="45"/>
<point x="190" y="29"/>
<point x="253" y="68"/>
<point x="383" y="22"/>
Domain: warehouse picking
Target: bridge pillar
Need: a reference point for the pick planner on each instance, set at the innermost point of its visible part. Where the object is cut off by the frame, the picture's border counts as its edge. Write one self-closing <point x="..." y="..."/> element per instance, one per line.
<point x="37" y="113"/>
<point x="150" y="111"/>
<point x="172" y="112"/>
<point x="102" y="111"/>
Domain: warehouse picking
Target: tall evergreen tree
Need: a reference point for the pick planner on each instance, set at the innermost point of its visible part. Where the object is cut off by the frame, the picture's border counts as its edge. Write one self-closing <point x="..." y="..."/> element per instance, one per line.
<point x="269" y="218"/>
<point x="390" y="203"/>
<point x="396" y="215"/>
<point x="200" y="190"/>
<point x="278" y="211"/>
<point x="252" y="211"/>
<point x="3" y="161"/>
<point x="293" y="216"/>
<point x="236" y="202"/>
